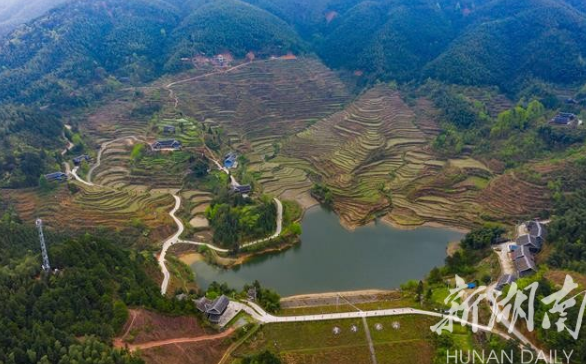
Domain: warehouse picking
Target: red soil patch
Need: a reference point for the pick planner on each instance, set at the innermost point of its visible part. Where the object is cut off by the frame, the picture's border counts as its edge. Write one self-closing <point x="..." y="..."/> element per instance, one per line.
<point x="207" y="352"/>
<point x="178" y="341"/>
<point x="289" y="56"/>
<point x="171" y="340"/>
<point x="144" y="326"/>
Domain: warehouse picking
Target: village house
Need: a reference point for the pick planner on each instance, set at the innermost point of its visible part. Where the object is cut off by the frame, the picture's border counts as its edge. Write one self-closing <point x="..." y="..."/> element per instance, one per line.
<point x="242" y="189"/>
<point x="524" y="261"/>
<point x="230" y="161"/>
<point x="532" y="243"/>
<point x="79" y="159"/>
<point x="528" y="245"/>
<point x="170" y="144"/>
<point x="169" y="129"/>
<point x="56" y="176"/>
<point x="213" y="309"/>
<point x="504" y="281"/>
<point x="564" y="118"/>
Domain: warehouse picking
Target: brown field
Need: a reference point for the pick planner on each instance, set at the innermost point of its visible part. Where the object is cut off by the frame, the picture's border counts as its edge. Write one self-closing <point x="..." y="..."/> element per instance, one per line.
<point x="193" y="353"/>
<point x="146" y="328"/>
<point x="94" y="207"/>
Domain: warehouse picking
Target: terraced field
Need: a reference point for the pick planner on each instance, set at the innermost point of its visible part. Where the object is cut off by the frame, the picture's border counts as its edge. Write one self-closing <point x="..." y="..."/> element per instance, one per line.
<point x="93" y="207"/>
<point x="195" y="204"/>
<point x="126" y="114"/>
<point x="265" y="100"/>
<point x="375" y="156"/>
<point x="260" y="104"/>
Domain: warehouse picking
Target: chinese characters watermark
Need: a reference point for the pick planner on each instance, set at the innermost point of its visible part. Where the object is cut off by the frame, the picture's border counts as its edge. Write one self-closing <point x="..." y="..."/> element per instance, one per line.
<point x="518" y="304"/>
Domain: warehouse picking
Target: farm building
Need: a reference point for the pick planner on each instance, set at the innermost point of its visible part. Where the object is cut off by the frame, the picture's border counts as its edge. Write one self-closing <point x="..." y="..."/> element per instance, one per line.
<point x="170" y="144"/>
<point x="242" y="189"/>
<point x="524" y="261"/>
<point x="505" y="280"/>
<point x="230" y="160"/>
<point x="213" y="309"/>
<point x="564" y="118"/>
<point x="532" y="243"/>
<point x="537" y="230"/>
<point x="77" y="160"/>
<point x="169" y="129"/>
<point x="56" y="176"/>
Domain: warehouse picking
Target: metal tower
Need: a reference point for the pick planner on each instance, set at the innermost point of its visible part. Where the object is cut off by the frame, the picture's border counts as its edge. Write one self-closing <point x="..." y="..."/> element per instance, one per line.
<point x="46" y="265"/>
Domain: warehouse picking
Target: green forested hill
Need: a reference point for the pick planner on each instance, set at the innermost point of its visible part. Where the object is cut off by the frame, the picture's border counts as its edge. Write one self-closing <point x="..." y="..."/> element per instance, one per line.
<point x="498" y="42"/>
<point x="514" y="40"/>
<point x="43" y="316"/>
<point x="236" y="27"/>
<point x="78" y="46"/>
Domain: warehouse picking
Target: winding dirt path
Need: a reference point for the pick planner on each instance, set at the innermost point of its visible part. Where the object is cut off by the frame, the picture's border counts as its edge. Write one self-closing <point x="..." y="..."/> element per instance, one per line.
<point x="175" y="238"/>
<point x="118" y="343"/>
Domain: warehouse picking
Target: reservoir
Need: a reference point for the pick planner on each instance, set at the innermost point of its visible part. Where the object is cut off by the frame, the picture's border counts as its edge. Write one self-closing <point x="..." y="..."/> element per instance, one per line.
<point x="331" y="258"/>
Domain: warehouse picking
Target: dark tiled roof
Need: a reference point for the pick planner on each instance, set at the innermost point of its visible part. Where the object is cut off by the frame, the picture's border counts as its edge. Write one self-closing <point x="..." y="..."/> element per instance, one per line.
<point x="170" y="143"/>
<point x="80" y="158"/>
<point x="524" y="261"/>
<point x="528" y="240"/>
<point x="536" y="229"/>
<point x="202" y="304"/>
<point x="242" y="189"/>
<point x="521" y="252"/>
<point x="504" y="281"/>
<point x="218" y="306"/>
<point x="56" y="175"/>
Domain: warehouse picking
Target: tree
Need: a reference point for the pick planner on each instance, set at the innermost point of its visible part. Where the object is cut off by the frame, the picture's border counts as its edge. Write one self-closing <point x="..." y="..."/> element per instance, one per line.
<point x="419" y="291"/>
<point x="45" y="185"/>
<point x="435" y="276"/>
<point x="200" y="167"/>
<point x="266" y="357"/>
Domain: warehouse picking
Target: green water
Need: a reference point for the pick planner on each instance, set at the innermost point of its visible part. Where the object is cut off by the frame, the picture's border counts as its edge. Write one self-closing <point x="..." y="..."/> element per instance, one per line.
<point x="331" y="258"/>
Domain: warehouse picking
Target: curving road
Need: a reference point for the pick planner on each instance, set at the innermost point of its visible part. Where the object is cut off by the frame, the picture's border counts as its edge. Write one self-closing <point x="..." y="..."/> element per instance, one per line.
<point x="168" y="243"/>
<point x="180" y="228"/>
<point x="78" y="178"/>
<point x="278" y="231"/>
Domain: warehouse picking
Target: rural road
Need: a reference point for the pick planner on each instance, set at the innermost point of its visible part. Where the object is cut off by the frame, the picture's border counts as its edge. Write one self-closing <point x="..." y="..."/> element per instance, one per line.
<point x="78" y="178"/>
<point x="257" y="313"/>
<point x="260" y="315"/>
<point x="180" y="228"/>
<point x="278" y="231"/>
<point x="183" y="340"/>
<point x="168" y="243"/>
<point x="175" y="238"/>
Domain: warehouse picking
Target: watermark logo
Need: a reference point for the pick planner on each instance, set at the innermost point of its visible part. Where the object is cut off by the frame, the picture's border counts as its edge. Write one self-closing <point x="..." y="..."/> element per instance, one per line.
<point x="517" y="304"/>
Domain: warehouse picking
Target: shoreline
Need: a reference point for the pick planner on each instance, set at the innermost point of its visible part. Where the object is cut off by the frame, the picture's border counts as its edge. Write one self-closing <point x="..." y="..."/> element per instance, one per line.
<point x="387" y="221"/>
<point x="354" y="293"/>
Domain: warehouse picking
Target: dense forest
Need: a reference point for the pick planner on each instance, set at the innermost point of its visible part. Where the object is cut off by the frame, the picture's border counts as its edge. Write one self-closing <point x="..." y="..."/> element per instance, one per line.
<point x="43" y="315"/>
<point x="87" y="45"/>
